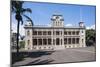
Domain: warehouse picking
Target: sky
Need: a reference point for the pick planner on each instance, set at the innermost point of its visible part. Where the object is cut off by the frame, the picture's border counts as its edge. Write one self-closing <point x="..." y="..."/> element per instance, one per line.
<point x="72" y="14"/>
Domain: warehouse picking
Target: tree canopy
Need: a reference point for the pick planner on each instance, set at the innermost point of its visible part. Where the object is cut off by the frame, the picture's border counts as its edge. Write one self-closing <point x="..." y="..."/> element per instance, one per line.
<point x="90" y="37"/>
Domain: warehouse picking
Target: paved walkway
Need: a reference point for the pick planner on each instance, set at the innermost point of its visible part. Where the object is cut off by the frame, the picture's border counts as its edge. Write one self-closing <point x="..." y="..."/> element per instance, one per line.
<point x="61" y="56"/>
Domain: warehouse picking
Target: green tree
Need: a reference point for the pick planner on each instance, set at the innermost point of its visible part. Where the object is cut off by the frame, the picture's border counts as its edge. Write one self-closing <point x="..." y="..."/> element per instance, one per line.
<point x="19" y="11"/>
<point x="22" y="44"/>
<point x="90" y="37"/>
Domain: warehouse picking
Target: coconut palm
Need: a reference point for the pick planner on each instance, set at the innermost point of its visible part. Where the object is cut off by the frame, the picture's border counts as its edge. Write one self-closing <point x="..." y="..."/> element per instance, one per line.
<point x="19" y="11"/>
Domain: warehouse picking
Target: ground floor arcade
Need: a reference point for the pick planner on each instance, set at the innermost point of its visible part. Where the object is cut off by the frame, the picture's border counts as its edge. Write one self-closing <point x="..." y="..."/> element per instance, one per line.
<point x="55" y="43"/>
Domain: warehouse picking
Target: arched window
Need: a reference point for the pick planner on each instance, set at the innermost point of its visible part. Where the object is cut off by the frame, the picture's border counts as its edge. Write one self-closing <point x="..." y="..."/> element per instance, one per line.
<point x="44" y="41"/>
<point x="77" y="32"/>
<point x="77" y="40"/>
<point x="73" y="32"/>
<point x="34" y="32"/>
<point x="73" y="40"/>
<point x="49" y="41"/>
<point x="57" y="32"/>
<point x="69" y="40"/>
<point x="28" y="33"/>
<point x="39" y="32"/>
<point x="65" y="32"/>
<point x="69" y="32"/>
<point x="44" y="32"/>
<point x="82" y="31"/>
<point x="65" y="40"/>
<point x="82" y="40"/>
<point x="34" y="41"/>
<point x="28" y="42"/>
<point x="57" y="41"/>
<point x="49" y="32"/>
<point x="39" y="41"/>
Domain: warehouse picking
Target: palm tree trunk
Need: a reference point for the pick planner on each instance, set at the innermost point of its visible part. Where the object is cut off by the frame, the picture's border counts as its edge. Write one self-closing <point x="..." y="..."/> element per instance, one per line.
<point x="18" y="38"/>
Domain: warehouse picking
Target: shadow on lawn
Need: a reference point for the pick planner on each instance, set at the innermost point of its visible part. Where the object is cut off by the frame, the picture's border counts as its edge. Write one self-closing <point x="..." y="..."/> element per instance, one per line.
<point x="23" y="55"/>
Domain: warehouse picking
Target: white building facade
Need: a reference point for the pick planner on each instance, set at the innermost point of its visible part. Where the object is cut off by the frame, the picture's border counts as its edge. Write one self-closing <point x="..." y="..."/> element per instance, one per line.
<point x="54" y="37"/>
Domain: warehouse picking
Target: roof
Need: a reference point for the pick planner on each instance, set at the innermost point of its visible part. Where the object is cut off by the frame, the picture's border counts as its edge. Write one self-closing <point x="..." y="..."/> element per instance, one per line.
<point x="49" y="27"/>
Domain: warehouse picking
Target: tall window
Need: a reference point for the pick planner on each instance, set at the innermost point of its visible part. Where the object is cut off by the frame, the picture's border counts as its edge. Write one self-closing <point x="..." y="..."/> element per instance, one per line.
<point x="69" y="32"/>
<point x="77" y="40"/>
<point x="61" y="32"/>
<point x="73" y="40"/>
<point x="49" y="41"/>
<point x="73" y="32"/>
<point x="69" y="40"/>
<point x="28" y="33"/>
<point x="34" y="41"/>
<point x="57" y="32"/>
<point x="39" y="32"/>
<point x="65" y="40"/>
<point x="82" y="40"/>
<point x="44" y="32"/>
<point x="65" y="32"/>
<point x="82" y="31"/>
<point x="57" y="41"/>
<point x="77" y="32"/>
<point x="44" y="41"/>
<point x="49" y="32"/>
<point x="34" y="32"/>
<point x="40" y="41"/>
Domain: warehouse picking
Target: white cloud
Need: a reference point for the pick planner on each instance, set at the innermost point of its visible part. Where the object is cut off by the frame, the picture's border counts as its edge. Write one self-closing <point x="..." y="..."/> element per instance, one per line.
<point x="68" y="25"/>
<point x="14" y="28"/>
<point x="90" y="27"/>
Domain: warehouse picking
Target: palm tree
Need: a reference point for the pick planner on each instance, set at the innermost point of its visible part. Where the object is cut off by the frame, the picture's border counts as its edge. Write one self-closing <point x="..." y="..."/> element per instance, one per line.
<point x="17" y="8"/>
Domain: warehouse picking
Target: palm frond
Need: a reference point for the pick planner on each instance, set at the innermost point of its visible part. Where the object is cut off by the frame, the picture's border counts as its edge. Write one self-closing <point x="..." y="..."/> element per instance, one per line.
<point x="22" y="22"/>
<point x="17" y="6"/>
<point x="28" y="18"/>
<point x="26" y="10"/>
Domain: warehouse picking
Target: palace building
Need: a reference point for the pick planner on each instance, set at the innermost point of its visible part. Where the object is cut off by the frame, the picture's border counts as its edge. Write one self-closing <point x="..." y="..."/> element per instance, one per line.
<point x="54" y="37"/>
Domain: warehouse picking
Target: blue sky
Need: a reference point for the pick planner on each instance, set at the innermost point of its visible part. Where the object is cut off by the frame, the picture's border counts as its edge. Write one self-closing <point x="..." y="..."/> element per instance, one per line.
<point x="42" y="13"/>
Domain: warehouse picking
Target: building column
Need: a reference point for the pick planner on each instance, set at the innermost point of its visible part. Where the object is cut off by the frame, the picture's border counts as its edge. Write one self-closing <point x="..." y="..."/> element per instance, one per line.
<point x="51" y="41"/>
<point x="47" y="41"/>
<point x="75" y="42"/>
<point x="37" y="41"/>
<point x="42" y="41"/>
<point x="71" y="40"/>
<point x="52" y="36"/>
<point x="62" y="37"/>
<point x="55" y="41"/>
<point x="59" y="41"/>
<point x="68" y="41"/>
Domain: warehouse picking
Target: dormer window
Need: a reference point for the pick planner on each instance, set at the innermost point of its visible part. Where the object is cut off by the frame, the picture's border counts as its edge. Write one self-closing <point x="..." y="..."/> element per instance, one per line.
<point x="82" y="31"/>
<point x="57" y="17"/>
<point x="57" y="21"/>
